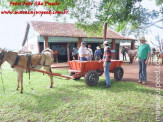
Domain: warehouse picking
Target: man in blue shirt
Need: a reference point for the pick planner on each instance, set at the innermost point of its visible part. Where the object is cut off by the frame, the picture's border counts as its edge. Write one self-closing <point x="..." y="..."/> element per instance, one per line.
<point x="98" y="53"/>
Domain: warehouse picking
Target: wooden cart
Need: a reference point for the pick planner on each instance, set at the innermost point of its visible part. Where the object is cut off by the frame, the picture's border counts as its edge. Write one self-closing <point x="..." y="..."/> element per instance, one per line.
<point x="91" y="70"/>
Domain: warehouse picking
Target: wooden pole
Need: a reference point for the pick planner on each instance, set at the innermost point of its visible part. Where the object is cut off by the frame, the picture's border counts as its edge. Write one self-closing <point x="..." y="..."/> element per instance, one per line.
<point x="45" y="42"/>
<point x="133" y="45"/>
<point x="105" y="30"/>
<point x="68" y="52"/>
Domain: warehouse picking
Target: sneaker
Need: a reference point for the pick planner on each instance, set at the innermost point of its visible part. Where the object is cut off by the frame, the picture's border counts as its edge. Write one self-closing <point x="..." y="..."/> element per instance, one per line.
<point x="139" y="81"/>
<point x="107" y="86"/>
<point x="144" y="83"/>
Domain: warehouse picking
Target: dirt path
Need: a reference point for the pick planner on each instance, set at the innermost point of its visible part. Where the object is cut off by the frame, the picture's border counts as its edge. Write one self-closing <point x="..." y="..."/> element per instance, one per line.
<point x="131" y="73"/>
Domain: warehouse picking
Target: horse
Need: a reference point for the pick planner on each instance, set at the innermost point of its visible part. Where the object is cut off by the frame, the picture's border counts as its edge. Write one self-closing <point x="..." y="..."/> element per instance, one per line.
<point x="153" y="54"/>
<point x="131" y="54"/>
<point x="34" y="61"/>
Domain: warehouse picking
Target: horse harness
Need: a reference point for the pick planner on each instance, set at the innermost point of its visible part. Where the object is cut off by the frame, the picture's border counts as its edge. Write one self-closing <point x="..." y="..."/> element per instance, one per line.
<point x="29" y="63"/>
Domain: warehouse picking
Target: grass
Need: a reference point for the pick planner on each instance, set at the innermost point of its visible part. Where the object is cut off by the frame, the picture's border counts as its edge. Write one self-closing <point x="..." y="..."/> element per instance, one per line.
<point x="71" y="100"/>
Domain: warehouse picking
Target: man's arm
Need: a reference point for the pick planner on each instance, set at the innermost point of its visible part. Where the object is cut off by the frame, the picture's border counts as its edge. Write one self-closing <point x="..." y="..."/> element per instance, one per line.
<point x="149" y="55"/>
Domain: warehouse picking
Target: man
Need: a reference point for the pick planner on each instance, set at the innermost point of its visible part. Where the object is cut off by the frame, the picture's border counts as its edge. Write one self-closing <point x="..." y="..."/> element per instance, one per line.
<point x="124" y="53"/>
<point x="144" y="53"/>
<point x="107" y="63"/>
<point x="83" y="52"/>
<point x="90" y="53"/>
<point x="74" y="53"/>
<point x="98" y="53"/>
<point x="55" y="53"/>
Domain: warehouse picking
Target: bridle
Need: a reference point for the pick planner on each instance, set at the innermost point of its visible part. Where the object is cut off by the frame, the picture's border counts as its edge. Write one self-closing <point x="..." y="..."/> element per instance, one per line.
<point x="2" y="54"/>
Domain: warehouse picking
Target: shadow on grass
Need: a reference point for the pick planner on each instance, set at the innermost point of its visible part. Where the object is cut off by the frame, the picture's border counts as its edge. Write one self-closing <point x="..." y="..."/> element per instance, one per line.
<point x="51" y="100"/>
<point x="118" y="86"/>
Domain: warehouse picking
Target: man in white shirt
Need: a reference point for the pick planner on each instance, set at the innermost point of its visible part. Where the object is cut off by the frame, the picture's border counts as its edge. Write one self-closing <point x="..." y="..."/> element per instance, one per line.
<point x="83" y="52"/>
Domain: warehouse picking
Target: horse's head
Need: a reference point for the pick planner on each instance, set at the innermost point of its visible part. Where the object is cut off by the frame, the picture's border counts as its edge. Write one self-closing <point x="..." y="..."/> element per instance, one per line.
<point x="2" y="57"/>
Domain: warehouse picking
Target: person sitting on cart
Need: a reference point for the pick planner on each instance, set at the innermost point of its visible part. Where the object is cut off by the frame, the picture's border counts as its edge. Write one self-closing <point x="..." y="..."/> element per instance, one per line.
<point x="83" y="52"/>
<point x="107" y="62"/>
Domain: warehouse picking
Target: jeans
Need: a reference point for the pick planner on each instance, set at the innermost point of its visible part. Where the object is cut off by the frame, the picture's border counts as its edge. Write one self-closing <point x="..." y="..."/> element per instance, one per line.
<point x="83" y="59"/>
<point x="124" y="56"/>
<point x="107" y="73"/>
<point x="142" y="70"/>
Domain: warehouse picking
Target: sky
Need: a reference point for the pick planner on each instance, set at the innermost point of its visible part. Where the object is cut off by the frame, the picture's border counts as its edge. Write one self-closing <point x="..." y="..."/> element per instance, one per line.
<point x="12" y="27"/>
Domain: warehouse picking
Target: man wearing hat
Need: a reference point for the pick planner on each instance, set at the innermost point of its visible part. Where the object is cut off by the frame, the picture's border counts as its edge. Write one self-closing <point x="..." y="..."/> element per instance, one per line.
<point x="107" y="63"/>
<point x="144" y="52"/>
<point x="83" y="52"/>
<point x="98" y="53"/>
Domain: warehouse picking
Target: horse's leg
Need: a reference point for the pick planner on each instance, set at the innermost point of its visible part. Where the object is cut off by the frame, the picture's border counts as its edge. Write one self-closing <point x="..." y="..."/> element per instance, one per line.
<point x="51" y="76"/>
<point x="18" y="79"/>
<point x="21" y="81"/>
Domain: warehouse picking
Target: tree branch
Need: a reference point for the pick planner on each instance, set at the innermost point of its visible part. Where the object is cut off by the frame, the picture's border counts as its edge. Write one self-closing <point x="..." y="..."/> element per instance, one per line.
<point x="109" y="9"/>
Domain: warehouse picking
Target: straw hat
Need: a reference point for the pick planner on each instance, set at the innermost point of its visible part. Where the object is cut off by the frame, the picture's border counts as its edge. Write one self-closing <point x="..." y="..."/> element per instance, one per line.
<point x="142" y="39"/>
<point x="97" y="47"/>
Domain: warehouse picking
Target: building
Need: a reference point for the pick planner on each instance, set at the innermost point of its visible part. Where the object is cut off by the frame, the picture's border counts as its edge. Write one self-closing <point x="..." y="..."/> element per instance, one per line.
<point x="64" y="36"/>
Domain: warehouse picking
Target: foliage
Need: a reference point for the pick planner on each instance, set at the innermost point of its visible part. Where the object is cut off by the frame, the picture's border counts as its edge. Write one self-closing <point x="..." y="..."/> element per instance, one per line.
<point x="71" y="100"/>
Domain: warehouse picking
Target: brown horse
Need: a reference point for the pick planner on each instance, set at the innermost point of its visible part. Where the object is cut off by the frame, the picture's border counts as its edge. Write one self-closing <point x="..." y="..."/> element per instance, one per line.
<point x="131" y="54"/>
<point x="35" y="61"/>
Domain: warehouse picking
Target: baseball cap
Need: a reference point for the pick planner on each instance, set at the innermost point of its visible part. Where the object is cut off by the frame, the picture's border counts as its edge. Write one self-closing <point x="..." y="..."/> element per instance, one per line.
<point x="83" y="43"/>
<point x="106" y="42"/>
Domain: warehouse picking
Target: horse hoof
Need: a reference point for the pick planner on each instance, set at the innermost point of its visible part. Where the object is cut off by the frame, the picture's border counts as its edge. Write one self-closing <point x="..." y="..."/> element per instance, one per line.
<point x="17" y="89"/>
<point x="51" y="86"/>
<point x="21" y="92"/>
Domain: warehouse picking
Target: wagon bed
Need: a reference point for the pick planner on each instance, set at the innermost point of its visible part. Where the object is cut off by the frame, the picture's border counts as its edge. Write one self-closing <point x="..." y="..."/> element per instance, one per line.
<point x="91" y="70"/>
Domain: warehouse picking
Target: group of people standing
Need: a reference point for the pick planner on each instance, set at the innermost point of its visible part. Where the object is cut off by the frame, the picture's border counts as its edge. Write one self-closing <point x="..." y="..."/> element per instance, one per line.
<point x="86" y="54"/>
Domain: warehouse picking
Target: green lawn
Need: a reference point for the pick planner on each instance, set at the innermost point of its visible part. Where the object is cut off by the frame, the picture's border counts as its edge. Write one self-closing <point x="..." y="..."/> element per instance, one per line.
<point x="71" y="100"/>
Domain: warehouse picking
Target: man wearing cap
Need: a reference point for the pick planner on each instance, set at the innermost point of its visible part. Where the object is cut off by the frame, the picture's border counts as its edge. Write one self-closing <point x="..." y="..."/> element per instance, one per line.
<point x="144" y="52"/>
<point x="98" y="53"/>
<point x="107" y="63"/>
<point x="83" y="52"/>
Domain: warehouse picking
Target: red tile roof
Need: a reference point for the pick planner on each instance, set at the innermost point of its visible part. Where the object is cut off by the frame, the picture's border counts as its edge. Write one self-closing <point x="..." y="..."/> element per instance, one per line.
<point x="44" y="28"/>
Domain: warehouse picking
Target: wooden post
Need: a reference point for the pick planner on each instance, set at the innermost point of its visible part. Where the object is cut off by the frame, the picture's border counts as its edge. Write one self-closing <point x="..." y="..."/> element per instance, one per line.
<point x="45" y="42"/>
<point x="79" y="42"/>
<point x="105" y="30"/>
<point x="118" y="53"/>
<point x="113" y="48"/>
<point x="133" y="45"/>
<point x="68" y="52"/>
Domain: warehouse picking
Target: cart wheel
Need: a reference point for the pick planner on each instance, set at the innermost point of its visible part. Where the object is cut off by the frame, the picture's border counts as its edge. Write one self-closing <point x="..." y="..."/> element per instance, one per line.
<point x="118" y="73"/>
<point x="71" y="74"/>
<point x="91" y="78"/>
